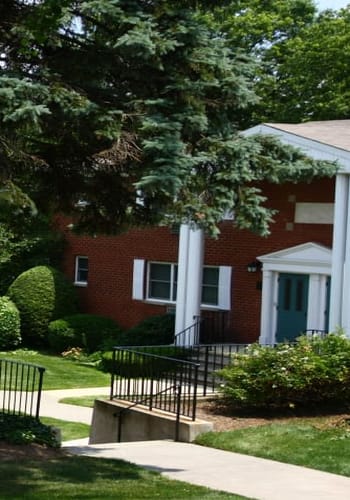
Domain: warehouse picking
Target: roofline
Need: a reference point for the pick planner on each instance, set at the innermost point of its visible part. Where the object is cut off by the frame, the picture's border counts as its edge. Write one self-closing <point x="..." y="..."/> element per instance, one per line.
<point x="314" y="148"/>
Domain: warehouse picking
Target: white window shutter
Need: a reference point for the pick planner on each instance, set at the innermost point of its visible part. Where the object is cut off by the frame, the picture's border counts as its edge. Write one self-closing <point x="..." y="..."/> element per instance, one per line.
<point x="224" y="294"/>
<point x="138" y="279"/>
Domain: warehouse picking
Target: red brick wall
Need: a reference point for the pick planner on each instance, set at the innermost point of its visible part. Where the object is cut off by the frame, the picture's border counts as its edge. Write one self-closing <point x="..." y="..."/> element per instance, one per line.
<point x="109" y="291"/>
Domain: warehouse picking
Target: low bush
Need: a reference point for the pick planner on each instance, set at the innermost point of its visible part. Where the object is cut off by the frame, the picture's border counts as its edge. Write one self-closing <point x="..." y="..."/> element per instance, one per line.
<point x="41" y="294"/>
<point x="87" y="331"/>
<point x="312" y="371"/>
<point x="155" y="330"/>
<point x="22" y="429"/>
<point x="10" y="325"/>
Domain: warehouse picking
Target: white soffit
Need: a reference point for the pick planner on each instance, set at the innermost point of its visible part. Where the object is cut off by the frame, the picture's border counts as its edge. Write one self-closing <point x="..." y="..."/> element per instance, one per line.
<point x="305" y="258"/>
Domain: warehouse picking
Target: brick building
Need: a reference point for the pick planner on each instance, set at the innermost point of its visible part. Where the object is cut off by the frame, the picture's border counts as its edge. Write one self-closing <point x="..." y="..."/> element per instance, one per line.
<point x="252" y="287"/>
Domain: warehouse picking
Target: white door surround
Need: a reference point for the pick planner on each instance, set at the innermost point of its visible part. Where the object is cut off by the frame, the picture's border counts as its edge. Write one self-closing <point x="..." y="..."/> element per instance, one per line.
<point x="308" y="258"/>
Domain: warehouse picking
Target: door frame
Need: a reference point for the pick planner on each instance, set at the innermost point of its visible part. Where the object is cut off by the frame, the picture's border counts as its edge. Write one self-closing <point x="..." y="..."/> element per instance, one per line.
<point x="308" y="258"/>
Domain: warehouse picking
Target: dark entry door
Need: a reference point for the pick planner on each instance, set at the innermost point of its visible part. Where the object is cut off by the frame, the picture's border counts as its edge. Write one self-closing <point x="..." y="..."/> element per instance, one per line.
<point x="292" y="305"/>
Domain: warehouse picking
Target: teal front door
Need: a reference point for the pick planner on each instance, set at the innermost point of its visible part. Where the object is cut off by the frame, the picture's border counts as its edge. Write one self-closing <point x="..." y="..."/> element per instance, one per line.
<point x="292" y="306"/>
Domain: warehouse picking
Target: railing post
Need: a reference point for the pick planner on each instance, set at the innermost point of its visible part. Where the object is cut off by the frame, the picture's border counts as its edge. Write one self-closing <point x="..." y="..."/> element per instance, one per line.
<point x="119" y="427"/>
<point x="206" y="362"/>
<point x="41" y="375"/>
<point x="194" y="399"/>
<point x="112" y="374"/>
<point x="178" y="409"/>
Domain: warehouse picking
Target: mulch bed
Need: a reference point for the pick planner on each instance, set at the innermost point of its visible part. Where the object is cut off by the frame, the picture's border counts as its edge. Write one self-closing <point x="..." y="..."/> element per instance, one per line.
<point x="29" y="451"/>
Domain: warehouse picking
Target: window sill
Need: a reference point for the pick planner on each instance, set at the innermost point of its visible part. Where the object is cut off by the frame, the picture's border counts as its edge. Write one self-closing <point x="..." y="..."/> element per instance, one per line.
<point x="204" y="307"/>
<point x="80" y="284"/>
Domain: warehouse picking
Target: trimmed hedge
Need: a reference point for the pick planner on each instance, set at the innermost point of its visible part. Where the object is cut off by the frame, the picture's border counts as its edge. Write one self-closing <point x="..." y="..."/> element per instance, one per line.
<point x="132" y="365"/>
<point x="88" y="331"/>
<point x="10" y="324"/>
<point x="41" y="294"/>
<point x="155" y="330"/>
<point x="312" y="371"/>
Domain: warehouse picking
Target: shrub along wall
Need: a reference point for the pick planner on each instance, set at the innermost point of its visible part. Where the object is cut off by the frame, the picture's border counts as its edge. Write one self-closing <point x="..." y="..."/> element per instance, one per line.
<point x="41" y="295"/>
<point x="312" y="371"/>
<point x="88" y="331"/>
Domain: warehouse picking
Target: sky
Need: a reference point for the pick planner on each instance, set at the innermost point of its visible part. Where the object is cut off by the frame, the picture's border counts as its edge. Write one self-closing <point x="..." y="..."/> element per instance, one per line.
<point x="331" y="4"/>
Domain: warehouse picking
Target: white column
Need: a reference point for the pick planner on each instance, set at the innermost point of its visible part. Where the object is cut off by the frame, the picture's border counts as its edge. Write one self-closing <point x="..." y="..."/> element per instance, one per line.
<point x="345" y="317"/>
<point x="181" y="295"/>
<point x="194" y="276"/>
<point x="323" y="301"/>
<point x="315" y="312"/>
<point x="267" y="334"/>
<point x="189" y="279"/>
<point x="341" y="214"/>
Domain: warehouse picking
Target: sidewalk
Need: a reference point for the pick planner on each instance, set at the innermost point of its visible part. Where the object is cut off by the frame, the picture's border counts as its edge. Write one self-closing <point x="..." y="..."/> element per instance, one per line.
<point x="251" y="477"/>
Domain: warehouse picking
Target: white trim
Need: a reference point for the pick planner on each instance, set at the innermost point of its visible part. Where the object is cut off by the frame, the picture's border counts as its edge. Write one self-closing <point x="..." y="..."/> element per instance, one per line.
<point x="160" y="300"/>
<point x="138" y="279"/>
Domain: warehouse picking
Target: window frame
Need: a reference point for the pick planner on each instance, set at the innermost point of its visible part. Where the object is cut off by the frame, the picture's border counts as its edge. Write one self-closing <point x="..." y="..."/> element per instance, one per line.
<point x="171" y="299"/>
<point x="78" y="269"/>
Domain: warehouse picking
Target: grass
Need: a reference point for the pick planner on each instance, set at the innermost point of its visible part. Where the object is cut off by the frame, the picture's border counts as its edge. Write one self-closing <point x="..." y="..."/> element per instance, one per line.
<point x="69" y="430"/>
<point x="75" y="477"/>
<point x="87" y="401"/>
<point x="61" y="373"/>
<point x="316" y="445"/>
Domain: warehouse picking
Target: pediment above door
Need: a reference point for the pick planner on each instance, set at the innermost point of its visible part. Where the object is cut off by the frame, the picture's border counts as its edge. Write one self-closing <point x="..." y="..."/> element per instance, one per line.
<point x="307" y="258"/>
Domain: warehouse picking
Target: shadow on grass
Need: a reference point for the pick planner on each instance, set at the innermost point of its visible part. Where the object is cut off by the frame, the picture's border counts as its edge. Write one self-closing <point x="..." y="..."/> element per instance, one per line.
<point x="70" y="476"/>
<point x="73" y="477"/>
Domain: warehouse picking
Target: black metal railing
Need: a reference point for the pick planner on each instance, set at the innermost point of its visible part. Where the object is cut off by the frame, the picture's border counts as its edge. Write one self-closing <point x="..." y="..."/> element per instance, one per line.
<point x="20" y="387"/>
<point x="316" y="333"/>
<point x="211" y="358"/>
<point x="154" y="380"/>
<point x="190" y="335"/>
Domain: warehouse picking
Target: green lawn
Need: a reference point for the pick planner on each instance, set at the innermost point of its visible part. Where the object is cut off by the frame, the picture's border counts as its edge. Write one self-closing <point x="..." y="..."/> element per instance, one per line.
<point x="316" y="445"/>
<point x="69" y="430"/>
<point x="85" y="478"/>
<point x="61" y="373"/>
<point x="87" y="401"/>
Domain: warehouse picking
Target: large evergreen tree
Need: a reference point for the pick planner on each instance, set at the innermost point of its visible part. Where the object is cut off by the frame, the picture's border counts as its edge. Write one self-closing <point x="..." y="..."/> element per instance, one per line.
<point x="127" y="112"/>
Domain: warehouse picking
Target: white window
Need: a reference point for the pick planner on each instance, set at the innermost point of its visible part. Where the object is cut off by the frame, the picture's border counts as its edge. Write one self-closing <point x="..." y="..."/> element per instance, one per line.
<point x="161" y="284"/>
<point x="210" y="286"/>
<point x="81" y="270"/>
<point x="162" y="281"/>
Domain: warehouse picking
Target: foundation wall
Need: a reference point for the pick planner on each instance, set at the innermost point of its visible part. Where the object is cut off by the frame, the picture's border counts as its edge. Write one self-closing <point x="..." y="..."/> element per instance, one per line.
<point x="140" y="424"/>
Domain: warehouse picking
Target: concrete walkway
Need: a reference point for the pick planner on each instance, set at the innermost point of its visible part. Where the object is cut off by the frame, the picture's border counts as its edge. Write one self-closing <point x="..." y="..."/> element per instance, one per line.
<point x="251" y="477"/>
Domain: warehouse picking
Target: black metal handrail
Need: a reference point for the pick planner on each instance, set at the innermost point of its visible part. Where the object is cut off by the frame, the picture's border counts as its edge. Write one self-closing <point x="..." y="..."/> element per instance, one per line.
<point x="190" y="335"/>
<point x="20" y="387"/>
<point x="142" y="376"/>
<point x="314" y="332"/>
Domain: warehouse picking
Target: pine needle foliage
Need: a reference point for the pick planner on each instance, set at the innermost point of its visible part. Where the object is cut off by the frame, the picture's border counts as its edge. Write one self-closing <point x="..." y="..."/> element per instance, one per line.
<point x="133" y="107"/>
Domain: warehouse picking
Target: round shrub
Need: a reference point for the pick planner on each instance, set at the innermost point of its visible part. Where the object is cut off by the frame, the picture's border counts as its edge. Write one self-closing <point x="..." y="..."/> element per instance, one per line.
<point x="41" y="294"/>
<point x="61" y="336"/>
<point x="82" y="330"/>
<point x="10" y="325"/>
<point x="155" y="330"/>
